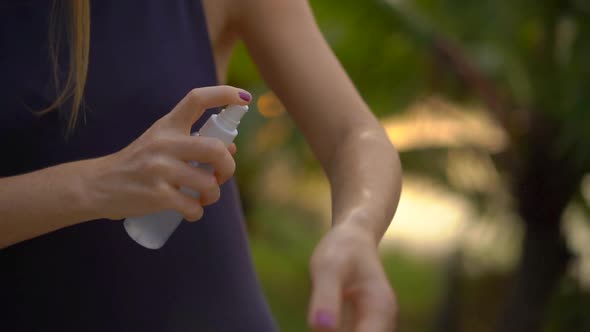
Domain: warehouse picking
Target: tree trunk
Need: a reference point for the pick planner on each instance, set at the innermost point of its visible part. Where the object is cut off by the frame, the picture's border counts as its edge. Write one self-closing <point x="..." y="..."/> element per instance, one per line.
<point x="544" y="260"/>
<point x="543" y="190"/>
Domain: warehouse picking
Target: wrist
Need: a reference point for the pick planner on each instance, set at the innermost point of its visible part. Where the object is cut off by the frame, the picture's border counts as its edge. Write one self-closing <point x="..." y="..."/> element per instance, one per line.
<point x="362" y="223"/>
<point x="352" y="234"/>
<point x="83" y="187"/>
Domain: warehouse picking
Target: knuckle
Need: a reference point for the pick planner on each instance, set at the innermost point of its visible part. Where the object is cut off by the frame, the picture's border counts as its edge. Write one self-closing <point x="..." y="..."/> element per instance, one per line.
<point x="217" y="147"/>
<point x="205" y="144"/>
<point x="156" y="165"/>
<point x="231" y="166"/>
<point x="212" y="147"/>
<point x="325" y="263"/>
<point x="195" y="97"/>
<point x="160" y="124"/>
<point x="210" y="184"/>
<point x="162" y="143"/>
<point x="212" y="196"/>
<point x="162" y="188"/>
<point x="227" y="170"/>
<point x="333" y="265"/>
<point x="164" y="196"/>
<point x="194" y="213"/>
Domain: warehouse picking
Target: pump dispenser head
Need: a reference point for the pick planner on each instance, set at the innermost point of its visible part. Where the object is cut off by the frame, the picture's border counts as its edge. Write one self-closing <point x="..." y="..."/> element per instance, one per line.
<point x="224" y="124"/>
<point x="233" y="114"/>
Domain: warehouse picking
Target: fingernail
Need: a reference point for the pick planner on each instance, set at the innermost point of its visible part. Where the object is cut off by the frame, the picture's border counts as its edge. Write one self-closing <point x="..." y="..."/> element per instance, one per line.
<point x="245" y="96"/>
<point x="324" y="319"/>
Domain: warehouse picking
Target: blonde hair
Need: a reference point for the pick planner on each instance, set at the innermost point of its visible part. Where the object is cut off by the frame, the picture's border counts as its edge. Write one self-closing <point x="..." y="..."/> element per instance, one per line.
<point x="73" y="18"/>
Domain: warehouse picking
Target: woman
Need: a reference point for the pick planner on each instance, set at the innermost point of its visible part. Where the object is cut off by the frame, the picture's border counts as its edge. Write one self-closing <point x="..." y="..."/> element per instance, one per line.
<point x="113" y="142"/>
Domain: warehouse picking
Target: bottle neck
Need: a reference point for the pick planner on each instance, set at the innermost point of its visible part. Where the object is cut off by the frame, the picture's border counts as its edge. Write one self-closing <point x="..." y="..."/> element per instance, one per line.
<point x="226" y="123"/>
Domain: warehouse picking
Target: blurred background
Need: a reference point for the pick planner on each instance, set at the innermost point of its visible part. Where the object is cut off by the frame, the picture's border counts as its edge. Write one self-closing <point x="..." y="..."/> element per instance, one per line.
<point x="488" y="103"/>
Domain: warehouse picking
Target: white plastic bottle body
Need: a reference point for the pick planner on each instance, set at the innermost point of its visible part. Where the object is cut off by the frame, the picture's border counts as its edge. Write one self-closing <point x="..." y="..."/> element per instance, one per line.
<point x="153" y="230"/>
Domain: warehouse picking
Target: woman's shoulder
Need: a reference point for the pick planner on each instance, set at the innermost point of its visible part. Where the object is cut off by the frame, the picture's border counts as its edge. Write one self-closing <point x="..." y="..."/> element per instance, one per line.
<point x="230" y="15"/>
<point x="255" y="21"/>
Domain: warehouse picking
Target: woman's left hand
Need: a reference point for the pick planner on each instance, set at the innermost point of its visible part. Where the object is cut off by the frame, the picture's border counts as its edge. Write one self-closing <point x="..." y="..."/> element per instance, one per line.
<point x="346" y="272"/>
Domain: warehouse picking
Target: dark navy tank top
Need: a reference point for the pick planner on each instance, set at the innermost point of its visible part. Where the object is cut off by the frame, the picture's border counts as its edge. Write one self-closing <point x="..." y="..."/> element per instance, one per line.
<point x="145" y="55"/>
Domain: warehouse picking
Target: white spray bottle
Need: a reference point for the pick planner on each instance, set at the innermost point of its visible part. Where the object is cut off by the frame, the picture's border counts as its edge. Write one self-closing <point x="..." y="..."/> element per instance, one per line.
<point x="153" y="230"/>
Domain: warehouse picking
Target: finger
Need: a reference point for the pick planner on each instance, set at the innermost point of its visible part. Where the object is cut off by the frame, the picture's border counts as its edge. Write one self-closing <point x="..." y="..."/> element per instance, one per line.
<point x="232" y="149"/>
<point x="188" y="206"/>
<point x="376" y="310"/>
<point x="326" y="299"/>
<point x="197" y="180"/>
<point x="206" y="150"/>
<point x="347" y="317"/>
<point x="211" y="196"/>
<point x="191" y="107"/>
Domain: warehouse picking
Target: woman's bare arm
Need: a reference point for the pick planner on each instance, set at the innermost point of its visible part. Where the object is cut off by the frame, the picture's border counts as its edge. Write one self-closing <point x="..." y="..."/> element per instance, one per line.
<point x="294" y="58"/>
<point x="361" y="164"/>
<point x="43" y="201"/>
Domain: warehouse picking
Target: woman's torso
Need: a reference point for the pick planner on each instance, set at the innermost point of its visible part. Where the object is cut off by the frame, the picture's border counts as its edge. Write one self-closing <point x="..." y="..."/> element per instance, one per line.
<point x="144" y="57"/>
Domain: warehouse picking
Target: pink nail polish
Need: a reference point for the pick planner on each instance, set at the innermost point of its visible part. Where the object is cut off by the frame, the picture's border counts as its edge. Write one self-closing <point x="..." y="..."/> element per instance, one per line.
<point x="245" y="96"/>
<point x="324" y="319"/>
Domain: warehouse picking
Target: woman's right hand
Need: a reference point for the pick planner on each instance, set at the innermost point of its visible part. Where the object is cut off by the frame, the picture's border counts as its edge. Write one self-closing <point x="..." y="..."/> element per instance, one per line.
<point x="146" y="176"/>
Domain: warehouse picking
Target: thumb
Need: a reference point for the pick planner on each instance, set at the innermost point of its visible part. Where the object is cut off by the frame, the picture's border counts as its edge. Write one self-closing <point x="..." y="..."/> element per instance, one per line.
<point x="191" y="107"/>
<point x="326" y="299"/>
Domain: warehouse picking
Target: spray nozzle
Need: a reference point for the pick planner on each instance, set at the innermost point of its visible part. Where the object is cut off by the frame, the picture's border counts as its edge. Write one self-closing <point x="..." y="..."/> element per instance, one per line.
<point x="233" y="114"/>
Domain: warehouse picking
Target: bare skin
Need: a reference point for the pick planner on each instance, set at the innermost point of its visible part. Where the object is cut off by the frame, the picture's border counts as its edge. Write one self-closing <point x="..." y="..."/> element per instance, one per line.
<point x="146" y="176"/>
<point x="345" y="137"/>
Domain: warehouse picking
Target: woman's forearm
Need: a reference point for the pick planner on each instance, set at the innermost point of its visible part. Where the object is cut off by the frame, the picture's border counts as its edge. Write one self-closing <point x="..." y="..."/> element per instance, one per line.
<point x="361" y="163"/>
<point x="365" y="178"/>
<point x="42" y="201"/>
